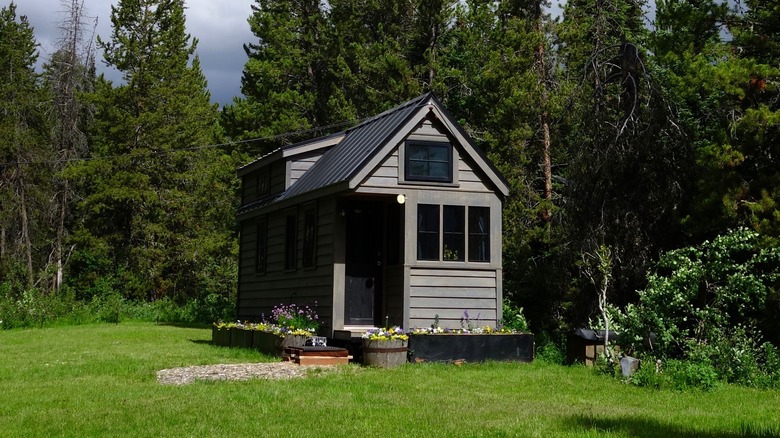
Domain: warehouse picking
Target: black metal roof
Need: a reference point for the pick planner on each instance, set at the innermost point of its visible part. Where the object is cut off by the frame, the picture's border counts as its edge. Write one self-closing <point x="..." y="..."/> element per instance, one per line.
<point x="359" y="145"/>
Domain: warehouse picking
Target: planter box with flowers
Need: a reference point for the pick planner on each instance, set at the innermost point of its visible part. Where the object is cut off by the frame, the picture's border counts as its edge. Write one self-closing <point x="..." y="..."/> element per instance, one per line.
<point x="220" y="333"/>
<point x="472" y="344"/>
<point x="385" y="348"/>
<point x="289" y="326"/>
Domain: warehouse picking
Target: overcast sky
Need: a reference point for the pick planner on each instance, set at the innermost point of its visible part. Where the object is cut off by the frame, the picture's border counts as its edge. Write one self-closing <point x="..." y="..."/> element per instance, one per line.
<point x="219" y="25"/>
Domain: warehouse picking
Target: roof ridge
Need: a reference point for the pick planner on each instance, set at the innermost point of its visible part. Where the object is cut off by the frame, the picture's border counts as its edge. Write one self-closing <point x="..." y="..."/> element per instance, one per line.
<point x="415" y="101"/>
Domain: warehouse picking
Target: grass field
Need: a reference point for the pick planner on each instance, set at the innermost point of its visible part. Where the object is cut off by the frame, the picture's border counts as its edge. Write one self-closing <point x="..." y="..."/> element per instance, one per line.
<point x="99" y="380"/>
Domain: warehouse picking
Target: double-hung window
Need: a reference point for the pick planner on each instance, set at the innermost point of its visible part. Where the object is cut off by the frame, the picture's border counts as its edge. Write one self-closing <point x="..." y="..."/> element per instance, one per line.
<point x="291" y="242"/>
<point x="261" y="248"/>
<point x="310" y="237"/>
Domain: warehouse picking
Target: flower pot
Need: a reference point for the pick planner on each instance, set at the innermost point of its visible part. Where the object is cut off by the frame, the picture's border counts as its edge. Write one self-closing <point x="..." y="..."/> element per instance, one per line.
<point x="291" y="341"/>
<point x="384" y="353"/>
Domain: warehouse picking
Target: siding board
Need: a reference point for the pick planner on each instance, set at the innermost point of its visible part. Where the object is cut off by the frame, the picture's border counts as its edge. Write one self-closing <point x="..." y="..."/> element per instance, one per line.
<point x="452" y="292"/>
<point x="453" y="282"/>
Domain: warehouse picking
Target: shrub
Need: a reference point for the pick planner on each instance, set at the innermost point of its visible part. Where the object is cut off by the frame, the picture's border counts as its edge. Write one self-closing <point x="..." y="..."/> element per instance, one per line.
<point x="550" y="350"/>
<point x="513" y="318"/>
<point x="704" y="305"/>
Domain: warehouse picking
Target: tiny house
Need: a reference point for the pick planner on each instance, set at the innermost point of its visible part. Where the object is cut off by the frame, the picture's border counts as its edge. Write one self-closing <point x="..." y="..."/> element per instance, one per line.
<point x="394" y="221"/>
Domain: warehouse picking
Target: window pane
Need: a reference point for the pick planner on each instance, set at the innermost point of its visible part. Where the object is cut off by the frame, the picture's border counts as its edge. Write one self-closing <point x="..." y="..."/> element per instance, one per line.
<point x="310" y="238"/>
<point x="479" y="234"/>
<point x="417" y="152"/>
<point x="263" y="182"/>
<point x="427" y="232"/>
<point x="454" y="233"/>
<point x="439" y="170"/>
<point x="291" y="242"/>
<point x="439" y="153"/>
<point x="418" y="168"/>
<point x="261" y="250"/>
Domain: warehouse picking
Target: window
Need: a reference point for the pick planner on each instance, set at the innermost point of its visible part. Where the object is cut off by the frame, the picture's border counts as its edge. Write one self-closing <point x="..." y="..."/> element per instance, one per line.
<point x="263" y="182"/>
<point x="261" y="249"/>
<point x="428" y="161"/>
<point x="310" y="237"/>
<point x="451" y="220"/>
<point x="454" y="239"/>
<point x="427" y="232"/>
<point x="479" y="234"/>
<point x="291" y="242"/>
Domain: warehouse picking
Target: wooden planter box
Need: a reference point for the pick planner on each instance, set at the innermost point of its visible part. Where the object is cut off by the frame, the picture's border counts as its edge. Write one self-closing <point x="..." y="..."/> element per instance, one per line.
<point x="241" y="338"/>
<point x="471" y="347"/>
<point x="220" y="336"/>
<point x="318" y="355"/>
<point x="274" y="345"/>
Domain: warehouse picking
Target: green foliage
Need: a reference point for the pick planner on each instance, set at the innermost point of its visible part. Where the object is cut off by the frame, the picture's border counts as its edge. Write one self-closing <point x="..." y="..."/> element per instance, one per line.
<point x="727" y="94"/>
<point x="24" y="129"/>
<point x="550" y="350"/>
<point x="513" y="318"/>
<point x="156" y="209"/>
<point x="706" y="306"/>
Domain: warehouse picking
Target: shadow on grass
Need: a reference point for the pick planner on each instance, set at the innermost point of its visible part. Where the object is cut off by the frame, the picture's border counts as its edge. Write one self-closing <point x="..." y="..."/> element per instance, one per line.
<point x="197" y="325"/>
<point x="646" y="427"/>
<point x="203" y="342"/>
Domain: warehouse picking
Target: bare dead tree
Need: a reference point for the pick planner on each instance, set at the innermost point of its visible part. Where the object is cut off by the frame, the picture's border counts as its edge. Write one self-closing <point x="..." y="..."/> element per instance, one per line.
<point x="71" y="70"/>
<point x="597" y="267"/>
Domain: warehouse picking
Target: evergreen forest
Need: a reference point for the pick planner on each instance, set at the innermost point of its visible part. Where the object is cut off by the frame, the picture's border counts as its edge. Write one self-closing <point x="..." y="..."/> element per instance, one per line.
<point x="642" y="150"/>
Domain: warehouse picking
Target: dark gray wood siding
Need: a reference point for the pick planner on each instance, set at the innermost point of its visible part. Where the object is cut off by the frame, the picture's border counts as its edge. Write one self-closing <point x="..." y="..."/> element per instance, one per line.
<point x="260" y="292"/>
<point x="390" y="173"/>
<point x="449" y="293"/>
<point x="300" y="164"/>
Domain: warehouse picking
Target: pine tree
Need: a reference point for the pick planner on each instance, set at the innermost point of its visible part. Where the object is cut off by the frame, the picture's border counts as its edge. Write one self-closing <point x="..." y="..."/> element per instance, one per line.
<point x="285" y="80"/>
<point x="727" y="91"/>
<point x="368" y="45"/>
<point x="23" y="139"/>
<point x="143" y="200"/>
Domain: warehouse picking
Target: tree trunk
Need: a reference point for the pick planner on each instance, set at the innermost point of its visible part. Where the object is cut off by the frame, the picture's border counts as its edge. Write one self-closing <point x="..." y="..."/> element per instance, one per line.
<point x="58" y="253"/>
<point x="25" y="228"/>
<point x="544" y="121"/>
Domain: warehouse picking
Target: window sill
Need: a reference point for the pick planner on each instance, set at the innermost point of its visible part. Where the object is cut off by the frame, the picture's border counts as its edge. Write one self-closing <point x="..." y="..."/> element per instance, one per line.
<point x="429" y="184"/>
<point x="453" y="265"/>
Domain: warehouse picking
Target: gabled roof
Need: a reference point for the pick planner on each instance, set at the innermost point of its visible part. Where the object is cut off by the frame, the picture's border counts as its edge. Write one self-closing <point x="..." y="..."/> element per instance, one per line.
<point x="357" y="151"/>
<point x="360" y="144"/>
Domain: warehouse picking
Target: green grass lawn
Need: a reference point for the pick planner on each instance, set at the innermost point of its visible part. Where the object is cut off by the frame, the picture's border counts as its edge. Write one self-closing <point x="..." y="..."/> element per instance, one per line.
<point x="100" y="380"/>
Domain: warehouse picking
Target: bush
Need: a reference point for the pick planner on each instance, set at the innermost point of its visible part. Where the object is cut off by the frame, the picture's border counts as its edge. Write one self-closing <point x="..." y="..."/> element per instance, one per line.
<point x="513" y="318"/>
<point x="704" y="304"/>
<point x="550" y="350"/>
<point x="33" y="308"/>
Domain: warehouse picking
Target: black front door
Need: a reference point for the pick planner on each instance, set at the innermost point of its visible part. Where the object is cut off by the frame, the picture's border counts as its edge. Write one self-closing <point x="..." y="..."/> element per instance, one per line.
<point x="364" y="256"/>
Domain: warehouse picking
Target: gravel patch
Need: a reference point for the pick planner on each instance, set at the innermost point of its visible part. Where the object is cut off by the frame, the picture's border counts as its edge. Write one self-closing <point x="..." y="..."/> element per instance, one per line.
<point x="242" y="371"/>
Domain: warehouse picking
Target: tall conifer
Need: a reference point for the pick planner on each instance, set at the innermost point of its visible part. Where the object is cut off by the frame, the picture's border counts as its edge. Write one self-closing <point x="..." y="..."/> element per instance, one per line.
<point x="23" y="139"/>
<point x="140" y="206"/>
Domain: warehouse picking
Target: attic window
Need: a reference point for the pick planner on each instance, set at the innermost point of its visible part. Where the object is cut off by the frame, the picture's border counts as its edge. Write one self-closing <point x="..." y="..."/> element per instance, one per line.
<point x="263" y="182"/>
<point x="428" y="161"/>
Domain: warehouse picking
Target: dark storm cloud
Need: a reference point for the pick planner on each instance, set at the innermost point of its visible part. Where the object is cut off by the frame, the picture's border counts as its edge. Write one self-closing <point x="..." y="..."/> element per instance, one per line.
<point x="219" y="25"/>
